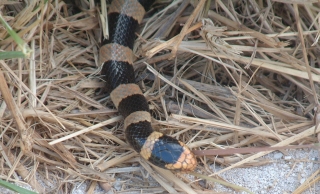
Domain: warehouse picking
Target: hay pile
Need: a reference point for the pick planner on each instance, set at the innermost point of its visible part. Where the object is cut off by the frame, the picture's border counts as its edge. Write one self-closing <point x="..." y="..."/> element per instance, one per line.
<point x="245" y="76"/>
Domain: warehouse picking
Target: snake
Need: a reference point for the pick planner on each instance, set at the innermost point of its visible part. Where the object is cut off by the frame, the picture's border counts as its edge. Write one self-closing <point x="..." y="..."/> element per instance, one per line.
<point x="116" y="57"/>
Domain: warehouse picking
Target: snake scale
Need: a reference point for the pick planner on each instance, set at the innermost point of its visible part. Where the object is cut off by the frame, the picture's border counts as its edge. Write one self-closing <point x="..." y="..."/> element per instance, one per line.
<point x="116" y="57"/>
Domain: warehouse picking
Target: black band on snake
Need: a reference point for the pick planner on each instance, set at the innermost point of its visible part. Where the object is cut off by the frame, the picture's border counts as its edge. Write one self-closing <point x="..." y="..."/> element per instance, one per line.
<point x="116" y="56"/>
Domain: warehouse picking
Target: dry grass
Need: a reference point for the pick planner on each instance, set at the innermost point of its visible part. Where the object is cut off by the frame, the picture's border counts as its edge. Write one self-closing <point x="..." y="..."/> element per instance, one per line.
<point x="247" y="76"/>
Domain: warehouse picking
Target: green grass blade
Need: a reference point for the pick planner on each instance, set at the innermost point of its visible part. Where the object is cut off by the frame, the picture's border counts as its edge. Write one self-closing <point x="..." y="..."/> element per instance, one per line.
<point x="15" y="188"/>
<point x="25" y="49"/>
<point x="11" y="55"/>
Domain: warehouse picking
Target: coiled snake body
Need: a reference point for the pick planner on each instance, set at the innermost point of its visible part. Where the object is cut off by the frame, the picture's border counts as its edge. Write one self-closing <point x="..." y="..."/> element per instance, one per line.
<point x="116" y="56"/>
